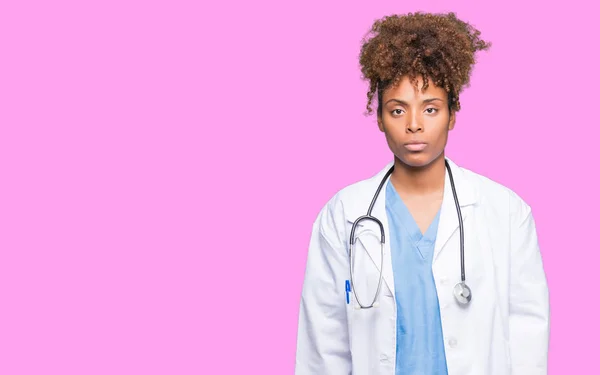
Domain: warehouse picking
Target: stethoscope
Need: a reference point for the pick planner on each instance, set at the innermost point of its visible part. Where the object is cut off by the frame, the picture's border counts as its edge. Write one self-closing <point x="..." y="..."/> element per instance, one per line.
<point x="462" y="292"/>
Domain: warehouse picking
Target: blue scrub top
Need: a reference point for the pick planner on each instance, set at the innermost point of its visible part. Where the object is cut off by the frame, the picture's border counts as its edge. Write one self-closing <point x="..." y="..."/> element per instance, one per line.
<point x="419" y="339"/>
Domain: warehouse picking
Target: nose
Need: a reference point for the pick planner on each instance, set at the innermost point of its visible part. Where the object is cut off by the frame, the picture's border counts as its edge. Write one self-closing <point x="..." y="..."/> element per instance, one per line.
<point x="414" y="125"/>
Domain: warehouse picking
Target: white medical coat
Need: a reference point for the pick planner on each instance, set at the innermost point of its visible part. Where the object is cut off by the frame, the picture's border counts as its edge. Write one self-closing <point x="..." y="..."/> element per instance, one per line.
<point x="503" y="331"/>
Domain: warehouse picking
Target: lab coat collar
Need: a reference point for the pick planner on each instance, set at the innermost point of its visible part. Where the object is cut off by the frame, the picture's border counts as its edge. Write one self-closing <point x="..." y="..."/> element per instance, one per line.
<point x="467" y="196"/>
<point x="448" y="221"/>
<point x="465" y="191"/>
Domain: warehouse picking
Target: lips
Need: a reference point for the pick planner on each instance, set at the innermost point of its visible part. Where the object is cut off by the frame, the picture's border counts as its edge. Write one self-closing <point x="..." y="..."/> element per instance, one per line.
<point x="415" y="146"/>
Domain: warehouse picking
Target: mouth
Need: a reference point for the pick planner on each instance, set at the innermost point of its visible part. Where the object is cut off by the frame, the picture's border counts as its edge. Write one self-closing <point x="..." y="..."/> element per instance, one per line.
<point x="415" y="146"/>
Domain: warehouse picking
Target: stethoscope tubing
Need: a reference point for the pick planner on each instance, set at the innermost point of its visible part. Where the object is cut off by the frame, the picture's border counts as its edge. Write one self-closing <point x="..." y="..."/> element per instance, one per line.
<point x="459" y="293"/>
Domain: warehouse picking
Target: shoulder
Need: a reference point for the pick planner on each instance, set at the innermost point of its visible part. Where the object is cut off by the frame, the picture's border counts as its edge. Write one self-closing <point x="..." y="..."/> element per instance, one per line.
<point x="494" y="195"/>
<point x="349" y="202"/>
<point x="352" y="196"/>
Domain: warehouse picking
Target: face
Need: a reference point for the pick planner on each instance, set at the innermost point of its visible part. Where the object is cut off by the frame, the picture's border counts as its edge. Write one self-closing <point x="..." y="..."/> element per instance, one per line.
<point x="416" y="122"/>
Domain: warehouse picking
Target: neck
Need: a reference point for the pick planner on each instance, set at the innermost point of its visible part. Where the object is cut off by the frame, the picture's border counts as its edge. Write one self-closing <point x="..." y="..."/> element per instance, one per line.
<point x="419" y="181"/>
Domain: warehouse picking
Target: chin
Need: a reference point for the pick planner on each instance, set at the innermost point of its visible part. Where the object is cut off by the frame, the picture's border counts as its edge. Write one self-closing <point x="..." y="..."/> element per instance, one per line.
<point x="416" y="159"/>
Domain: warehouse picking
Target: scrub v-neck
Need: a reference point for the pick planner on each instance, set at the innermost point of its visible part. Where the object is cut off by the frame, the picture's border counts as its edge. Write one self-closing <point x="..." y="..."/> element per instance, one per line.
<point x="419" y="336"/>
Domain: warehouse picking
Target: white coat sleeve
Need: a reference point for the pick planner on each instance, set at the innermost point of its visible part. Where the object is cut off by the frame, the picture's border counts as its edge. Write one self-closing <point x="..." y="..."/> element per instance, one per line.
<point x="529" y="312"/>
<point x="322" y="341"/>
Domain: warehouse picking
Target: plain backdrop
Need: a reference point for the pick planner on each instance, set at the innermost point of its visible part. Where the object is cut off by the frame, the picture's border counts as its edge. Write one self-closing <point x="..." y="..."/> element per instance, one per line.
<point x="162" y="162"/>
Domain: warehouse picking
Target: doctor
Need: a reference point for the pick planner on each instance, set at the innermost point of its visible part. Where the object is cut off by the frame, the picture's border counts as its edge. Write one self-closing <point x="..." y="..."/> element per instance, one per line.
<point x="427" y="267"/>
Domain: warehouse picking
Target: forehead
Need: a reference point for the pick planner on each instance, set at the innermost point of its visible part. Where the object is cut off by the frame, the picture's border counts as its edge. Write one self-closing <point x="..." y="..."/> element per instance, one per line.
<point x="405" y="90"/>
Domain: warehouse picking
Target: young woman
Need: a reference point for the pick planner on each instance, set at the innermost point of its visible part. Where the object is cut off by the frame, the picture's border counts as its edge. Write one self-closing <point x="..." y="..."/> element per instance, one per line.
<point x="425" y="268"/>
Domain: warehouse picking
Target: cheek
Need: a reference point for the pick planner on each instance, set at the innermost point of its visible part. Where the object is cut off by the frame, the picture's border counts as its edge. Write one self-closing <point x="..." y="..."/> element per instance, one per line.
<point x="395" y="134"/>
<point x="391" y="139"/>
<point x="440" y="127"/>
<point x="441" y="138"/>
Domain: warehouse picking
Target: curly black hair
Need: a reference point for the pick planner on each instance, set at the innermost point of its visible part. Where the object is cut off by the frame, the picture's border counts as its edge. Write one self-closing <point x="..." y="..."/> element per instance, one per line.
<point x="439" y="47"/>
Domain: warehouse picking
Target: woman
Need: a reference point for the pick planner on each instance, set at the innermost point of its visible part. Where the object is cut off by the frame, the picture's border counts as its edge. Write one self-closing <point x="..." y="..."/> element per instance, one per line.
<point x="415" y="303"/>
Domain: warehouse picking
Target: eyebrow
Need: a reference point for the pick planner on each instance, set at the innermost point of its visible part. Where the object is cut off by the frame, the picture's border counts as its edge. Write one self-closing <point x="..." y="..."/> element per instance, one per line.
<point x="426" y="101"/>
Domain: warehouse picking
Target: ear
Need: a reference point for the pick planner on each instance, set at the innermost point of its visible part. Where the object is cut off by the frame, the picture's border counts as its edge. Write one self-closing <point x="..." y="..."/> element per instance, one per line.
<point x="452" y="121"/>
<point x="380" y="123"/>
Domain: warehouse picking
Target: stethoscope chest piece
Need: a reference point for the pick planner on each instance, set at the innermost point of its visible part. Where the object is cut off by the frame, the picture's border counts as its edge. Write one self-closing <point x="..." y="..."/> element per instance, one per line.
<point x="462" y="293"/>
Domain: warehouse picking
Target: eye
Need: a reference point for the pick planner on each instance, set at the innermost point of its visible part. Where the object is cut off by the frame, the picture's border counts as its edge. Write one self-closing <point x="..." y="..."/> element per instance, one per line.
<point x="396" y="112"/>
<point x="431" y="110"/>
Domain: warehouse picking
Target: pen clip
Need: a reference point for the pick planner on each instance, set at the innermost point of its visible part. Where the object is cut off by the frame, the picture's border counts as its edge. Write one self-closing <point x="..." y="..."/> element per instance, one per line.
<point x="348" y="290"/>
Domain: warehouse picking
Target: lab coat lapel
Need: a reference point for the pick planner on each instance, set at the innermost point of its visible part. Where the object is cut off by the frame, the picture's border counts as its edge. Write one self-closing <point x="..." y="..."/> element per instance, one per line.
<point x="379" y="211"/>
<point x="358" y="208"/>
<point x="448" y="223"/>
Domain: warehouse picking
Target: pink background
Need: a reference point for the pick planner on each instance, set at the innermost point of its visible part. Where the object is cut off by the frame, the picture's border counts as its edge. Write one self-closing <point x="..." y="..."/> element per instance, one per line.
<point x="161" y="164"/>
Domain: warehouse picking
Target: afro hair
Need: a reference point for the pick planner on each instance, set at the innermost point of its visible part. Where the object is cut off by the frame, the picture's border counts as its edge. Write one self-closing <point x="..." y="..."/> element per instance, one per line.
<point x="439" y="47"/>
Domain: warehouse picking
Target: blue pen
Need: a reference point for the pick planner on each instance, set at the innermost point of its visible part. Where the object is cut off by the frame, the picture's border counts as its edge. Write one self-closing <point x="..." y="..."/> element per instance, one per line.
<point x="348" y="290"/>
